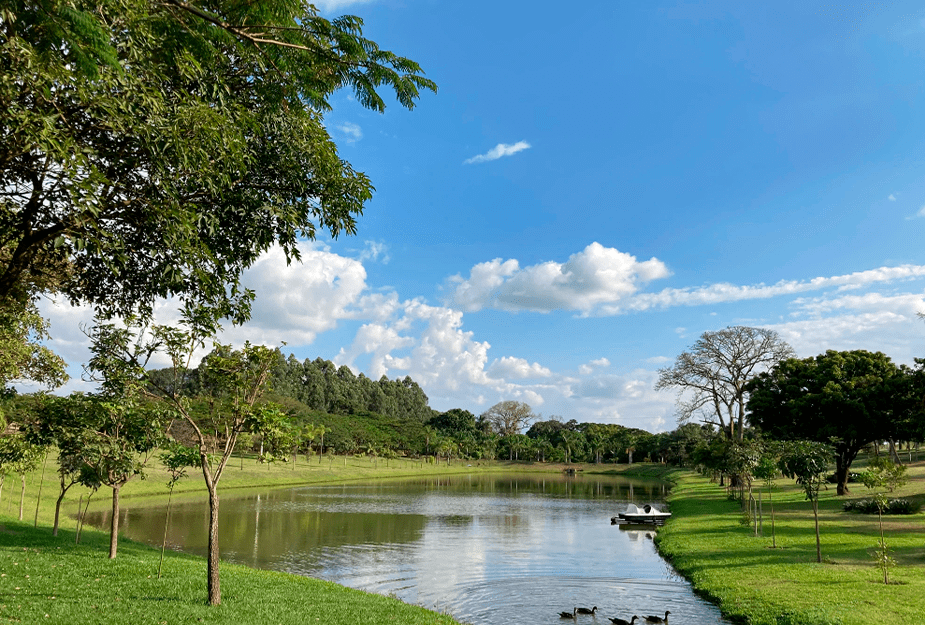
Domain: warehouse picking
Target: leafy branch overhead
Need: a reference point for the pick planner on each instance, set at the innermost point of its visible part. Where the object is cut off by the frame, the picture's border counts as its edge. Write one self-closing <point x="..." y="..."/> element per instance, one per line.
<point x="154" y="149"/>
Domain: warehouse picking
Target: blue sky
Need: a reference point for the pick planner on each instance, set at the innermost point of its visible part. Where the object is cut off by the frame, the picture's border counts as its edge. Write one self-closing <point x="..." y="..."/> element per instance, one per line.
<point x="597" y="183"/>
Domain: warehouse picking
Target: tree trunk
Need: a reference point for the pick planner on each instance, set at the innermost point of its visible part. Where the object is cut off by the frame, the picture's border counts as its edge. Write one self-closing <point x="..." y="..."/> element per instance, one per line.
<point x="818" y="543"/>
<point x="54" y="531"/>
<point x="22" y="494"/>
<point x="114" y="523"/>
<point x="215" y="592"/>
<point x="38" y="499"/>
<point x="894" y="456"/>
<point x="841" y="475"/>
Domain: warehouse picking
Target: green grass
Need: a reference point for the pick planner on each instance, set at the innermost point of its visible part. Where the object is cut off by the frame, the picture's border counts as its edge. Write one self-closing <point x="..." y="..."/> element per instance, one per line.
<point x="705" y="541"/>
<point x="52" y="580"/>
<point x="754" y="583"/>
<point x="46" y="579"/>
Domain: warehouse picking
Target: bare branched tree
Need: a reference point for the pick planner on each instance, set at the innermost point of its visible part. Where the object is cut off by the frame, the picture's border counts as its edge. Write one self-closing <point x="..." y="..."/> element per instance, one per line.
<point x="509" y="417"/>
<point x="711" y="376"/>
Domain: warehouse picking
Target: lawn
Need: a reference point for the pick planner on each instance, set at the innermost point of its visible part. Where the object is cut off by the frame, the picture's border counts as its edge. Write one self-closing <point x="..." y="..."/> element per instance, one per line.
<point x="755" y="583"/>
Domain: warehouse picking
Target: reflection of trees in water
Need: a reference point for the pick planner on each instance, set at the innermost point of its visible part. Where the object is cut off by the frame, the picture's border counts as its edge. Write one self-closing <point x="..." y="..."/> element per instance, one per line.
<point x="555" y="485"/>
<point x="258" y="528"/>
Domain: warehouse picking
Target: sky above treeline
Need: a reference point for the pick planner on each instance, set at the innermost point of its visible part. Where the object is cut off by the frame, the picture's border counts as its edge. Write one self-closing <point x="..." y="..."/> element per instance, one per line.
<point x="598" y="183"/>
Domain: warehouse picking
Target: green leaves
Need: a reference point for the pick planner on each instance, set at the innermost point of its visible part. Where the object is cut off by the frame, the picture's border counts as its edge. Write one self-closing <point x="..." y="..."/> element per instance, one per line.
<point x="157" y="149"/>
<point x="807" y="462"/>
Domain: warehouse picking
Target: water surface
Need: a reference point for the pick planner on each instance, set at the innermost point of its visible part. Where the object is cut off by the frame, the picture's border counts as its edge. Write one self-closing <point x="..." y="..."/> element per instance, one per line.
<point x="489" y="549"/>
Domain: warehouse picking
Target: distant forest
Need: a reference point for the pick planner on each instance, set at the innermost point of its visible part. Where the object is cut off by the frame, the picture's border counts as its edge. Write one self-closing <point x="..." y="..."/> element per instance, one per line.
<point x="332" y="410"/>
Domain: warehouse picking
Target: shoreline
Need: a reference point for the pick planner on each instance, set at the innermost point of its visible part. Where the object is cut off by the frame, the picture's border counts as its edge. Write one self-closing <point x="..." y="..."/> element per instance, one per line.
<point x="52" y="580"/>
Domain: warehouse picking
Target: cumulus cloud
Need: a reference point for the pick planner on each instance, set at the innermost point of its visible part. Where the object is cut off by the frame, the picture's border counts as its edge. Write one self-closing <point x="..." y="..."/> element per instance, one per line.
<point x="297" y="301"/>
<point x="499" y="151"/>
<point x="891" y="197"/>
<point x="591" y="278"/>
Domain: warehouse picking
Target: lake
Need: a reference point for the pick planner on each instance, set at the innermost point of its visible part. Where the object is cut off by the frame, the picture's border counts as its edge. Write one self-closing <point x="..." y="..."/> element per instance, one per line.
<point x="488" y="549"/>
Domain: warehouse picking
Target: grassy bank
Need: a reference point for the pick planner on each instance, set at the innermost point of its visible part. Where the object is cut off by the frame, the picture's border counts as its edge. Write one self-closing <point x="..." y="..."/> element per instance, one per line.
<point x="760" y="585"/>
<point x="45" y="579"/>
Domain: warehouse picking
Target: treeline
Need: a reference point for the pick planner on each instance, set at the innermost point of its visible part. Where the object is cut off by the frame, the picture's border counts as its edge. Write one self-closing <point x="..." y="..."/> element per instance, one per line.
<point x="332" y="410"/>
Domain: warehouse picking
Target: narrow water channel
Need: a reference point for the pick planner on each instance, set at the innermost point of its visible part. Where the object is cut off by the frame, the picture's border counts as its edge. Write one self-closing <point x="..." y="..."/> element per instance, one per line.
<point x="488" y="549"/>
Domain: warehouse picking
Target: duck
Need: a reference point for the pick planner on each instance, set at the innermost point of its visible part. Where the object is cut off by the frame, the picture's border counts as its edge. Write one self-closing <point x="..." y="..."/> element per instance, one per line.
<point x="568" y="614"/>
<point x="620" y="621"/>
<point x="658" y="619"/>
<point x="586" y="610"/>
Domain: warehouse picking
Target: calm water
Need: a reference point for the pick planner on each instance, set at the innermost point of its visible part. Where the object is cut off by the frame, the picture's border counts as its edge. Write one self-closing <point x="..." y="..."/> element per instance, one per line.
<point x="488" y="549"/>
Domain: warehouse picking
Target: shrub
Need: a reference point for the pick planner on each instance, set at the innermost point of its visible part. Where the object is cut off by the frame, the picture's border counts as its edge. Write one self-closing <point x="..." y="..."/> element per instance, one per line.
<point x="893" y="506"/>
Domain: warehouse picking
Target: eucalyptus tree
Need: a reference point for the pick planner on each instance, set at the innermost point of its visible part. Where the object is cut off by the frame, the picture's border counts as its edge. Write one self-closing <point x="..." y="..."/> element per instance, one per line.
<point x="137" y="135"/>
<point x="711" y="377"/>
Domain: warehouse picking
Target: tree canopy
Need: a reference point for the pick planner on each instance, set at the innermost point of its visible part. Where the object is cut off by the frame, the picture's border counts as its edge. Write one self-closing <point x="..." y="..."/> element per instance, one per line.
<point x="846" y="398"/>
<point x="154" y="149"/>
<point x="711" y="376"/>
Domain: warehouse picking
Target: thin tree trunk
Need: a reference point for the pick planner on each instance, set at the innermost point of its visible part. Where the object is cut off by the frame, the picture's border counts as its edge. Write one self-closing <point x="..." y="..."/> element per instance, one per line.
<point x="80" y="504"/>
<point x="214" y="587"/>
<point x="64" y="489"/>
<point x="114" y="523"/>
<point x="22" y="494"/>
<point x="166" y="527"/>
<point x="83" y="516"/>
<point x="771" y="503"/>
<point x="886" y="575"/>
<point x="818" y="543"/>
<point x="38" y="499"/>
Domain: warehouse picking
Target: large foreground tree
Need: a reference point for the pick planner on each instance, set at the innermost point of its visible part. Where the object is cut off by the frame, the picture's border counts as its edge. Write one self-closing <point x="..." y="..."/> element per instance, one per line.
<point x="154" y="149"/>
<point x="848" y="399"/>
<point x="711" y="376"/>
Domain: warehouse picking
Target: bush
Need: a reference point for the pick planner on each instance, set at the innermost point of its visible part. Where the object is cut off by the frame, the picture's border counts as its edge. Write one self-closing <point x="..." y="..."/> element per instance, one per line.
<point x="893" y="506"/>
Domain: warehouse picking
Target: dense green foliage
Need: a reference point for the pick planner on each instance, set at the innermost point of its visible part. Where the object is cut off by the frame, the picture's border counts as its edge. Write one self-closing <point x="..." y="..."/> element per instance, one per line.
<point x="150" y="149"/>
<point x="847" y="398"/>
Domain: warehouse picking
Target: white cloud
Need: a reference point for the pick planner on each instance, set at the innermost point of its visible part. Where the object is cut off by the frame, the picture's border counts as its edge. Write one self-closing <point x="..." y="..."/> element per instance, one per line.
<point x="724" y="292"/>
<point x="891" y="197"/>
<point x="351" y="132"/>
<point x="517" y="368"/>
<point x="589" y="367"/>
<point x="658" y="360"/>
<point x="373" y="250"/>
<point x="595" y="276"/>
<point x="296" y="302"/>
<point x="330" y="6"/>
<point x="500" y="150"/>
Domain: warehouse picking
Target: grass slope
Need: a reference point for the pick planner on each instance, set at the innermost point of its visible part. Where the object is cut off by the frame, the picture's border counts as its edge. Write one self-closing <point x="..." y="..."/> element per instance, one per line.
<point x="46" y="579"/>
<point x="756" y="584"/>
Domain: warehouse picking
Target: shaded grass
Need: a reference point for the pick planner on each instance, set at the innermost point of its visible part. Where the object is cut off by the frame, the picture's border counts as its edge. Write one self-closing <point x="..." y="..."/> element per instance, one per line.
<point x="756" y="584"/>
